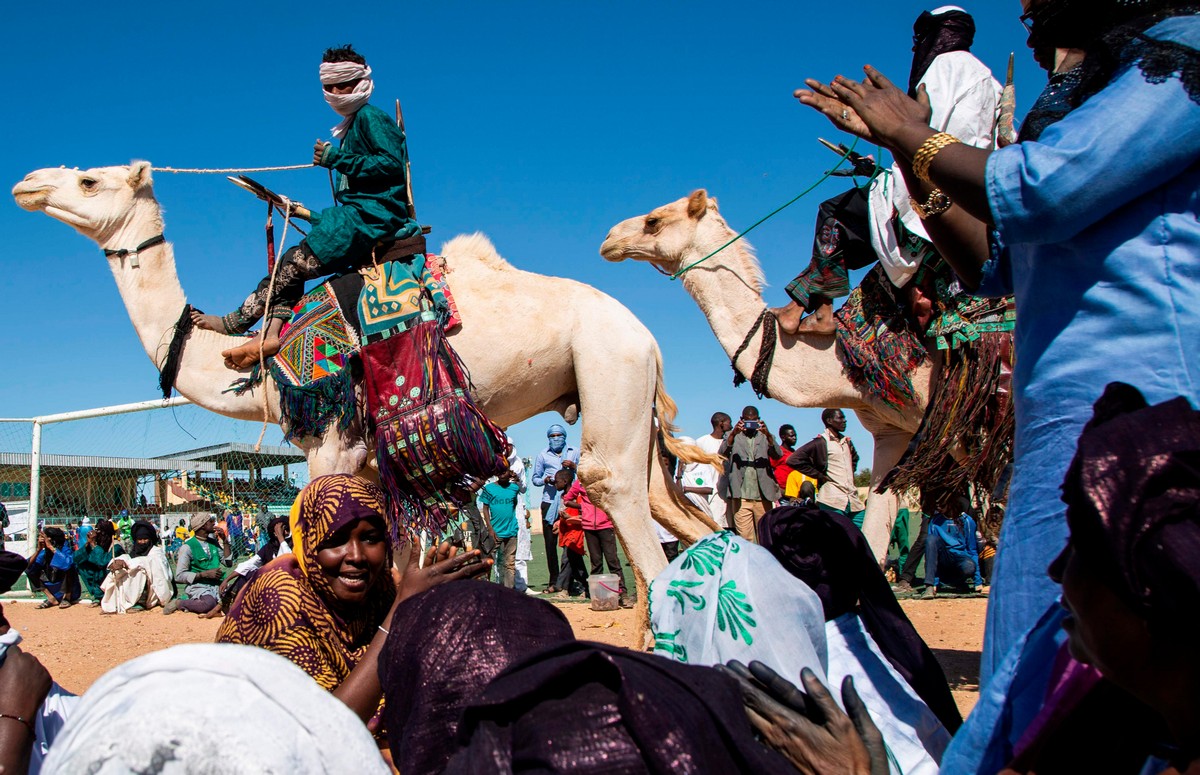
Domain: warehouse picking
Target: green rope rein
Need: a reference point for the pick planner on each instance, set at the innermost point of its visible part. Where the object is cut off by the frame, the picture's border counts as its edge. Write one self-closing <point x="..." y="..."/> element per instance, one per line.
<point x="775" y="212"/>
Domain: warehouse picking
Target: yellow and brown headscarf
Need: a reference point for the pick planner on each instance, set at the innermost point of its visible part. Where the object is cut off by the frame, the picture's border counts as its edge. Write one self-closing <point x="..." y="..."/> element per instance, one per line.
<point x="288" y="607"/>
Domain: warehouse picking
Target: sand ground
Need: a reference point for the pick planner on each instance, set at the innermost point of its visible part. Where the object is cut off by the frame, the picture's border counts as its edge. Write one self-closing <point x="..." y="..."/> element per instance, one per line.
<point x="78" y="645"/>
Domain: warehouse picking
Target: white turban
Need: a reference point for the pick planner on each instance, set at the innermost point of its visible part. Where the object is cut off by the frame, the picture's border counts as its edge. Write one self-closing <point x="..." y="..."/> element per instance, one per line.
<point x="212" y="708"/>
<point x="347" y="104"/>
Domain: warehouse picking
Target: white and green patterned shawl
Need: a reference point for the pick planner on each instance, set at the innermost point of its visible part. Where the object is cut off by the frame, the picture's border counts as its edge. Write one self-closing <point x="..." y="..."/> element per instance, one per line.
<point x="725" y="598"/>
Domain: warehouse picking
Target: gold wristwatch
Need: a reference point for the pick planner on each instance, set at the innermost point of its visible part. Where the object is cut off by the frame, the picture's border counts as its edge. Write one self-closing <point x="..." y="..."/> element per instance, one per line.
<point x="936" y="204"/>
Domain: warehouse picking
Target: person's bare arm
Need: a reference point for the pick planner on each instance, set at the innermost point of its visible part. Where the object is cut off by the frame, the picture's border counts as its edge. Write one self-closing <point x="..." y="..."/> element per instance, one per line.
<point x="24" y="684"/>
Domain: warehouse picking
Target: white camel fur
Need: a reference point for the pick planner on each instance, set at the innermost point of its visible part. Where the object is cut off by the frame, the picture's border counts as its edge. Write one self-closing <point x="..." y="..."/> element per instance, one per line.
<point x="807" y="372"/>
<point x="519" y="371"/>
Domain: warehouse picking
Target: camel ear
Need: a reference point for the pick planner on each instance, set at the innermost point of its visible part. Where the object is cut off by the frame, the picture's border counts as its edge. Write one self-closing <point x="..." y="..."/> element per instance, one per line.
<point x="139" y="174"/>
<point x="697" y="204"/>
<point x="712" y="202"/>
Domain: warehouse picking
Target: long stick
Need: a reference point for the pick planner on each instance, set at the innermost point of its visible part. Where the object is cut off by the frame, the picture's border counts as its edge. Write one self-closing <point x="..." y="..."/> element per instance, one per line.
<point x="412" y="207"/>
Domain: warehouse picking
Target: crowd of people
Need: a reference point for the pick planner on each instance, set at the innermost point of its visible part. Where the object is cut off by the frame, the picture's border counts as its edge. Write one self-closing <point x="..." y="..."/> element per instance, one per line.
<point x="779" y="645"/>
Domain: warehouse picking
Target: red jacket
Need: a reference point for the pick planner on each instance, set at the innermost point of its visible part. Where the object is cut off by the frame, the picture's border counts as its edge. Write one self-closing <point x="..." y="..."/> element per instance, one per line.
<point x="781" y="468"/>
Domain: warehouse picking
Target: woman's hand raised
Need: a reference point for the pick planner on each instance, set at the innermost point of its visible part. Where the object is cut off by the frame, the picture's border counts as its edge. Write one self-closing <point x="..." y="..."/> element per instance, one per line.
<point x="442" y="563"/>
<point x="875" y="110"/>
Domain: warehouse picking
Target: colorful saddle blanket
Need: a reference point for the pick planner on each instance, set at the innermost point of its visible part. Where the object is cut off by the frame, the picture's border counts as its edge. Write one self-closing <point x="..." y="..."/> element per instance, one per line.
<point x="315" y="366"/>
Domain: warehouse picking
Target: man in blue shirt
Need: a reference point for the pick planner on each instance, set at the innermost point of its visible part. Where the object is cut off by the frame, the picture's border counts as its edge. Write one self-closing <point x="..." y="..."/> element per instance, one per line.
<point x="556" y="456"/>
<point x="951" y="554"/>
<point x="498" y="502"/>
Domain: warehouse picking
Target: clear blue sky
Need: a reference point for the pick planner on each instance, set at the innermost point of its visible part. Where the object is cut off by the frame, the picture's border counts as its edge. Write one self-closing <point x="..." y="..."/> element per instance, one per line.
<point x="539" y="123"/>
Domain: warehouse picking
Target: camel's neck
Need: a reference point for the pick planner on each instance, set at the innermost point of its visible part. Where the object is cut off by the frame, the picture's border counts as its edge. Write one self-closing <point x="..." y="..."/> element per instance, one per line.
<point x="151" y="290"/>
<point x="725" y="288"/>
<point x="155" y="300"/>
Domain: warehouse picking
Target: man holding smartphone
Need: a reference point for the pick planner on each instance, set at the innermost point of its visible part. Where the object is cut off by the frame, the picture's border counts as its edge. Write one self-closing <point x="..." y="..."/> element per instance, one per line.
<point x="749" y="446"/>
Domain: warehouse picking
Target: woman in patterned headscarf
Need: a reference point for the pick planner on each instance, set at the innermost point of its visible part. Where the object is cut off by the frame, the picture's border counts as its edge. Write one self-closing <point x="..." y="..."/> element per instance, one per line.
<point x="328" y="606"/>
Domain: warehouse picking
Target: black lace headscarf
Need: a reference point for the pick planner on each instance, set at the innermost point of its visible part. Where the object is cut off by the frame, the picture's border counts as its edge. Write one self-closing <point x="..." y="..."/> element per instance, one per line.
<point x="1113" y="32"/>
<point x="935" y="34"/>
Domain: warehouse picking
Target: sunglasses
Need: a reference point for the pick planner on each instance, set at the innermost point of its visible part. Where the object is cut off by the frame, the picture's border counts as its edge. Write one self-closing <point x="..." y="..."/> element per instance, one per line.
<point x="1027" y="22"/>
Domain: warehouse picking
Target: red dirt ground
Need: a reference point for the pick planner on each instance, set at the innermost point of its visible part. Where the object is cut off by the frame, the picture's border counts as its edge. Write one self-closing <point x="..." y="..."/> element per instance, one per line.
<point x="78" y="645"/>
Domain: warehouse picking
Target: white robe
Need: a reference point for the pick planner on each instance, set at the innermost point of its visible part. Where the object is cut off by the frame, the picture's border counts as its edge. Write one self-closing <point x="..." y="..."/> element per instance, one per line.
<point x="123" y="588"/>
<point x="966" y="103"/>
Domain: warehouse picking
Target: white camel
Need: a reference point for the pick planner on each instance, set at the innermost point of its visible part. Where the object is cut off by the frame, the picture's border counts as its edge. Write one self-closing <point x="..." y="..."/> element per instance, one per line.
<point x="519" y="370"/>
<point x="807" y="372"/>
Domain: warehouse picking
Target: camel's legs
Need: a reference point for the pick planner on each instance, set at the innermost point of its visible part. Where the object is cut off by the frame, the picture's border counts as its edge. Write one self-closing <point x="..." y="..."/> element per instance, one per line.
<point x="881" y="507"/>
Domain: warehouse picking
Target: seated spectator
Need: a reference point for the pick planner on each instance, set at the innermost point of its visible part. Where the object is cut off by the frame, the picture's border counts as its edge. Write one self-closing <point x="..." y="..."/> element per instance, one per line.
<point x="247" y="710"/>
<point x="753" y="609"/>
<point x="279" y="544"/>
<point x="52" y="570"/>
<point x="199" y="566"/>
<point x="93" y="557"/>
<point x="570" y="707"/>
<point x="828" y="552"/>
<point x="181" y="534"/>
<point x="35" y="707"/>
<point x="600" y="535"/>
<point x="328" y="606"/>
<point x="951" y="553"/>
<point x="141" y="578"/>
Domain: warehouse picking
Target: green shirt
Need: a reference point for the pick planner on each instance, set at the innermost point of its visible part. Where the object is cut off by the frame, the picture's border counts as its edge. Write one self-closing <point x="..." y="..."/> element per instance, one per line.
<point x="371" y="188"/>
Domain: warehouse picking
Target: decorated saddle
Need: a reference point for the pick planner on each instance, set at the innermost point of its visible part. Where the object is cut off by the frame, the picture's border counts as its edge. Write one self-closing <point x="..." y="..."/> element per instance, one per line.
<point x="386" y="328"/>
<point x="967" y="433"/>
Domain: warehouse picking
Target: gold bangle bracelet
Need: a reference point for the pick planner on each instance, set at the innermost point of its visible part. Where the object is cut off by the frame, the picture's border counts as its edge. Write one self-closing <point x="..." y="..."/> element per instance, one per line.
<point x="928" y="151"/>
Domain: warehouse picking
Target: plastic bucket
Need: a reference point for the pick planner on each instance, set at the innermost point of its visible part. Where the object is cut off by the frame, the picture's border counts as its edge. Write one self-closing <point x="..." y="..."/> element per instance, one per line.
<point x="605" y="591"/>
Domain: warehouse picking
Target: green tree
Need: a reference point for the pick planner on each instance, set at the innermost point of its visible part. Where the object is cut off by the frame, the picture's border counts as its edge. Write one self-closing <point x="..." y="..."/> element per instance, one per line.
<point x="863" y="478"/>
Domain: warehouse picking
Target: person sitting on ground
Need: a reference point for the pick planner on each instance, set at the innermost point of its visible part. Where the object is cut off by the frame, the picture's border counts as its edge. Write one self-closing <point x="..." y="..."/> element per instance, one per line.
<point x="372" y="183"/>
<point x="879" y="223"/>
<point x="568" y="526"/>
<point x="328" y="606"/>
<point x="772" y="615"/>
<point x="498" y="504"/>
<point x="213" y="708"/>
<point x="825" y="551"/>
<point x="951" y="553"/>
<point x="141" y="578"/>
<point x="52" y="570"/>
<point x="279" y="544"/>
<point x="199" y="566"/>
<point x="514" y="699"/>
<point x="601" y="537"/>
<point x="93" y="557"/>
<point x="749" y="447"/>
<point x="32" y="707"/>
<point x="831" y="460"/>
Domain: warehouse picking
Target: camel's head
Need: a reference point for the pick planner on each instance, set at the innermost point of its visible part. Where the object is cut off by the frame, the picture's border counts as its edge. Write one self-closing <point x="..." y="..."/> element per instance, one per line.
<point x="667" y="235"/>
<point x="95" y="202"/>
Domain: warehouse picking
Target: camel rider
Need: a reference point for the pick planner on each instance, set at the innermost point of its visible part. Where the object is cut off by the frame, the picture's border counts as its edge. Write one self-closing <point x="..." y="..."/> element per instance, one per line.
<point x="371" y="194"/>
<point x="880" y="222"/>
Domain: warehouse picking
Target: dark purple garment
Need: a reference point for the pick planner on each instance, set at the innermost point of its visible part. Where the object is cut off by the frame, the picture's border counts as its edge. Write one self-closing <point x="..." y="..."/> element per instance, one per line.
<point x="443" y="648"/>
<point x="828" y="553"/>
<point x="592" y="708"/>
<point x="1133" y="501"/>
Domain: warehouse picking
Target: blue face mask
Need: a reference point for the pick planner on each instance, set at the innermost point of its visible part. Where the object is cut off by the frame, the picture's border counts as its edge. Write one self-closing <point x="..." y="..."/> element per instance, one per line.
<point x="558" y="444"/>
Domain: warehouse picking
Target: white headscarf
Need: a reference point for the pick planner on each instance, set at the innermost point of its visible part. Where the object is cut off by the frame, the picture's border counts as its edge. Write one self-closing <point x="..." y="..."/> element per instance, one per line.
<point x="212" y="708"/>
<point x="347" y="104"/>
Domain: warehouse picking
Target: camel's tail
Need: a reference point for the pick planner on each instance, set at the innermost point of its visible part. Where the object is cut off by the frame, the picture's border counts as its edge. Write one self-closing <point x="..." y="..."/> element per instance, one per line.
<point x="666" y="411"/>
